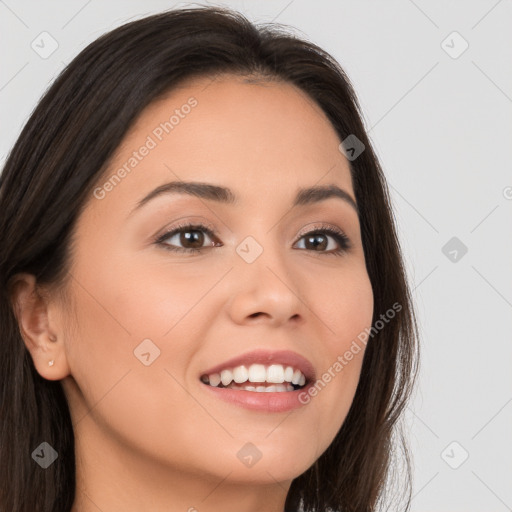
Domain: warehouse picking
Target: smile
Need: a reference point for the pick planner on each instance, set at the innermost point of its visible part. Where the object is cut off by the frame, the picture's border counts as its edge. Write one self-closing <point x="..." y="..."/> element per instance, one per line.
<point x="268" y="378"/>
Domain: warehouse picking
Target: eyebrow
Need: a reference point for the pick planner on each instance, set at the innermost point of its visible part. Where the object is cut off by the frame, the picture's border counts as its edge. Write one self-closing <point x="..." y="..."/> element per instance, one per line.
<point x="304" y="196"/>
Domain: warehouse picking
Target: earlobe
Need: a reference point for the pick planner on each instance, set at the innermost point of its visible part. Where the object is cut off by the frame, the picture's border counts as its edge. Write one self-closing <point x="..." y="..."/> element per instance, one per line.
<point x="31" y="311"/>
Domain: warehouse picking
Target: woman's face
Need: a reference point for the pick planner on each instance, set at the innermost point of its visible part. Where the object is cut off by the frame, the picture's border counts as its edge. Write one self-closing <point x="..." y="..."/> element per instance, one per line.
<point x="153" y="317"/>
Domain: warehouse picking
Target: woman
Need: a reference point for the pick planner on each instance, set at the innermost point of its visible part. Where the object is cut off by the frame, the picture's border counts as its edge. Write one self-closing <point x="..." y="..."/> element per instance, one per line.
<point x="204" y="303"/>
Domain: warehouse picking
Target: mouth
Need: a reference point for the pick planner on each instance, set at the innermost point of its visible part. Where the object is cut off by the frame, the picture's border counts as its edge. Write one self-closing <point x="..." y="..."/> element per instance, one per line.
<point x="261" y="372"/>
<point x="258" y="378"/>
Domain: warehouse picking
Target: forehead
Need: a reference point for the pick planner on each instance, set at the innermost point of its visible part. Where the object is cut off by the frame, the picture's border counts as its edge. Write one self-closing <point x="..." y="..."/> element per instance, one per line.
<point x="263" y="140"/>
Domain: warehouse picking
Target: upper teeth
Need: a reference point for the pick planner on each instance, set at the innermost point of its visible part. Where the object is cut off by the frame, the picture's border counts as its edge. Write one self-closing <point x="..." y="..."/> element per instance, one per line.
<point x="275" y="373"/>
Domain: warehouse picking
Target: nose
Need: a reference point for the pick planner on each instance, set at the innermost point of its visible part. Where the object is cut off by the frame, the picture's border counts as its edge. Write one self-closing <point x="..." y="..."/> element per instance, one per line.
<point x="266" y="291"/>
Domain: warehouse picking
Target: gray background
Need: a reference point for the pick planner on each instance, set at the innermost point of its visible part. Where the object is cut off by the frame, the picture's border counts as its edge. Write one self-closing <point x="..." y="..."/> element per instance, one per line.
<point x="442" y="127"/>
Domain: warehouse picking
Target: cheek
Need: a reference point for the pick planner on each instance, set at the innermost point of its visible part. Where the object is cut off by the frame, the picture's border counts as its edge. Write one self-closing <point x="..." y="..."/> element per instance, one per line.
<point x="345" y="306"/>
<point x="143" y="405"/>
<point x="123" y="300"/>
<point x="346" y="310"/>
<point x="129" y="314"/>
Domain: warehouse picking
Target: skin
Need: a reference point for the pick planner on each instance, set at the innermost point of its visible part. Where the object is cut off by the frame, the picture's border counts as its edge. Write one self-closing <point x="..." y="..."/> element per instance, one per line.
<point x="151" y="437"/>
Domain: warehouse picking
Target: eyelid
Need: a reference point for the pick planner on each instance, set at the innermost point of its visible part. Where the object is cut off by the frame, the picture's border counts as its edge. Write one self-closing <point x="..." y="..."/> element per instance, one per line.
<point x="319" y="226"/>
<point x="186" y="222"/>
<point x="190" y="226"/>
<point x="322" y="226"/>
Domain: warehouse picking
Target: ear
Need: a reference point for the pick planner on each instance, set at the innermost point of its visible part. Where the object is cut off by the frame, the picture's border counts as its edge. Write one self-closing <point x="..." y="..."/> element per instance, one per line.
<point x="43" y="340"/>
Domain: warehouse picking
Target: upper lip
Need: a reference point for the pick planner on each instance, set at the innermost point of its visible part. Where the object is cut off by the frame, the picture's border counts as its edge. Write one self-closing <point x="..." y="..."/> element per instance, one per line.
<point x="266" y="357"/>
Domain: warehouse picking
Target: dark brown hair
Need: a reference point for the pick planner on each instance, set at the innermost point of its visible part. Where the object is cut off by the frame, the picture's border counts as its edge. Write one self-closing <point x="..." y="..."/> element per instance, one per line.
<point x="49" y="175"/>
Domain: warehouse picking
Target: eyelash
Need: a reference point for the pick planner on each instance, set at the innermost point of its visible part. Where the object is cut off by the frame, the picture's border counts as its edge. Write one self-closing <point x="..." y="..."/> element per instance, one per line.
<point x="338" y="235"/>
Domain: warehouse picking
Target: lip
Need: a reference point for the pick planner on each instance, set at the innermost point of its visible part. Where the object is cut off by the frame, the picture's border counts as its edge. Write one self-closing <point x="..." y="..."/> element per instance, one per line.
<point x="271" y="402"/>
<point x="266" y="357"/>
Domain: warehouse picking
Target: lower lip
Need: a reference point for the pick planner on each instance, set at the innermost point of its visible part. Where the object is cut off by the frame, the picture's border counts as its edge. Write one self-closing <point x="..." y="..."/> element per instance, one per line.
<point x="271" y="401"/>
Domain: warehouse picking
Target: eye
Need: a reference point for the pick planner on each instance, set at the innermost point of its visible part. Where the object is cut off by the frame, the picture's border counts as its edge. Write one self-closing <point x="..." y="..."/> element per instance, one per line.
<point x="191" y="236"/>
<point x="319" y="238"/>
<point x="192" y="239"/>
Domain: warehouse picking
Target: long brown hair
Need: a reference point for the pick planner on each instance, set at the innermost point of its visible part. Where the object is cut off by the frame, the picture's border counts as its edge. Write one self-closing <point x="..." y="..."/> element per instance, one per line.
<point x="62" y="152"/>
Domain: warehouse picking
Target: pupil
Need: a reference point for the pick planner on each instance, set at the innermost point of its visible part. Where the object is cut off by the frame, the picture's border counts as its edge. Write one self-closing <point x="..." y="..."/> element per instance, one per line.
<point x="193" y="236"/>
<point x="313" y="239"/>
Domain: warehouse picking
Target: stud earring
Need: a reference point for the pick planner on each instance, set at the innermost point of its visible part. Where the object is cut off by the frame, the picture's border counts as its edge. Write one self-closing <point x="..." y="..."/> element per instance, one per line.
<point x="50" y="363"/>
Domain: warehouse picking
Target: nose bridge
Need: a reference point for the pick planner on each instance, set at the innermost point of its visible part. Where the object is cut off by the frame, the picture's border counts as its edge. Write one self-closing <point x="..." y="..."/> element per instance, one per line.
<point x="264" y="281"/>
<point x="261" y="238"/>
<point x="261" y="251"/>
